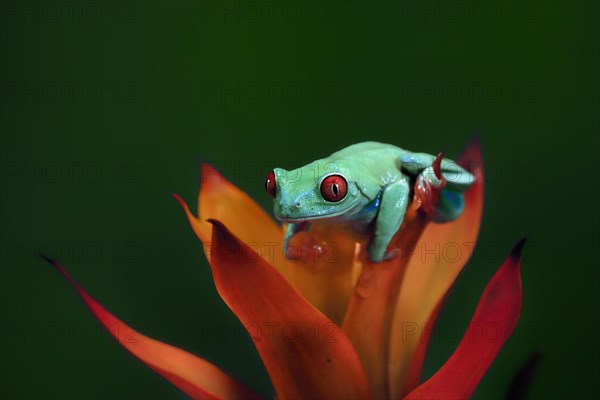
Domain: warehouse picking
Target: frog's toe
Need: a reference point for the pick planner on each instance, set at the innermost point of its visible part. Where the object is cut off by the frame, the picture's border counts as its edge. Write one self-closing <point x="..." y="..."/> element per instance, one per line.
<point x="383" y="256"/>
<point x="375" y="254"/>
<point x="379" y="254"/>
<point x="394" y="253"/>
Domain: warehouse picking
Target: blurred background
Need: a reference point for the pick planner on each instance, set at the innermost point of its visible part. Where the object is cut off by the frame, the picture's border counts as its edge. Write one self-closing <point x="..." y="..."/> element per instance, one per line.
<point x="109" y="107"/>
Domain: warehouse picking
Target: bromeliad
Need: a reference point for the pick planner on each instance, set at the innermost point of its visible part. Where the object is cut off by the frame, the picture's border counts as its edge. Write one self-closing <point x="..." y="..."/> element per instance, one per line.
<point x="347" y="304"/>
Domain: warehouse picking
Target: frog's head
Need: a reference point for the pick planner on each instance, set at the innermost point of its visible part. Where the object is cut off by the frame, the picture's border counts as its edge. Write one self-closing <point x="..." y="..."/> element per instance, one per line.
<point x="316" y="191"/>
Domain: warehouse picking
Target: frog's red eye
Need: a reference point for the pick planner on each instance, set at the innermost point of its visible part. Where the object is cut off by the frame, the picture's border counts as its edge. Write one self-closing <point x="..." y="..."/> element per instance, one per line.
<point x="270" y="184"/>
<point x="334" y="188"/>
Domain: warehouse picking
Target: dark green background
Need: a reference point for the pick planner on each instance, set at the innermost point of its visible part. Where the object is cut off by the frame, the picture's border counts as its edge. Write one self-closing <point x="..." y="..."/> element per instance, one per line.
<point x="104" y="115"/>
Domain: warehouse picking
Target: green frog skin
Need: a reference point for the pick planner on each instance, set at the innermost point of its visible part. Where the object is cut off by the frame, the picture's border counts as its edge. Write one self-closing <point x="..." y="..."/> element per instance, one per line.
<point x="364" y="188"/>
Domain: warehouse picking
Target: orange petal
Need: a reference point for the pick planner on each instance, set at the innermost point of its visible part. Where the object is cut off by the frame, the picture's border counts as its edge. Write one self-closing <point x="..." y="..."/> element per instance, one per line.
<point x="368" y="321"/>
<point x="418" y="357"/>
<point x="440" y="255"/>
<point x="305" y="354"/>
<point x="196" y="377"/>
<point x="220" y="199"/>
<point x="326" y="273"/>
<point x="492" y="324"/>
<point x="202" y="230"/>
<point x="324" y="279"/>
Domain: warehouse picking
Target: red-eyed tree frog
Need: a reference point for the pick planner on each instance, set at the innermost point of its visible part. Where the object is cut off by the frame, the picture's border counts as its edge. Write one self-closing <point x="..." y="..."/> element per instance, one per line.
<point x="364" y="188"/>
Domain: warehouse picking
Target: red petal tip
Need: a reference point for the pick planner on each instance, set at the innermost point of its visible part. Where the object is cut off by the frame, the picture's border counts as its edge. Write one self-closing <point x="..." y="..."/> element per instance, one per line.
<point x="517" y="251"/>
<point x="55" y="264"/>
<point x="179" y="199"/>
<point x="437" y="165"/>
<point x="210" y="175"/>
<point x="471" y="155"/>
<point x="48" y="259"/>
<point x="475" y="139"/>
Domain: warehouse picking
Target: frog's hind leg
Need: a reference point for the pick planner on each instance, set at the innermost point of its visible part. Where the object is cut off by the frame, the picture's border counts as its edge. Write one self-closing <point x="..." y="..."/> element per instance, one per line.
<point x="450" y="203"/>
<point x="450" y="206"/>
<point x="392" y="208"/>
<point x="457" y="178"/>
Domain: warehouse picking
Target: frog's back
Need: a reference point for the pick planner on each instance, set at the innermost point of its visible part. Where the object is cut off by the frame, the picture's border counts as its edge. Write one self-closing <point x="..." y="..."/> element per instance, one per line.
<point x="368" y="150"/>
<point x="369" y="162"/>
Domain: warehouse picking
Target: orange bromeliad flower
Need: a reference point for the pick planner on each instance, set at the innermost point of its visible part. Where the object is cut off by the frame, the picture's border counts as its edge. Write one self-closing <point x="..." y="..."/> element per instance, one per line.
<point x="335" y="320"/>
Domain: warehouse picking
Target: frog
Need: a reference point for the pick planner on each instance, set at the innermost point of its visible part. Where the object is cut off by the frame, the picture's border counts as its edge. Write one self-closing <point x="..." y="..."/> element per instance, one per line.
<point x="365" y="189"/>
